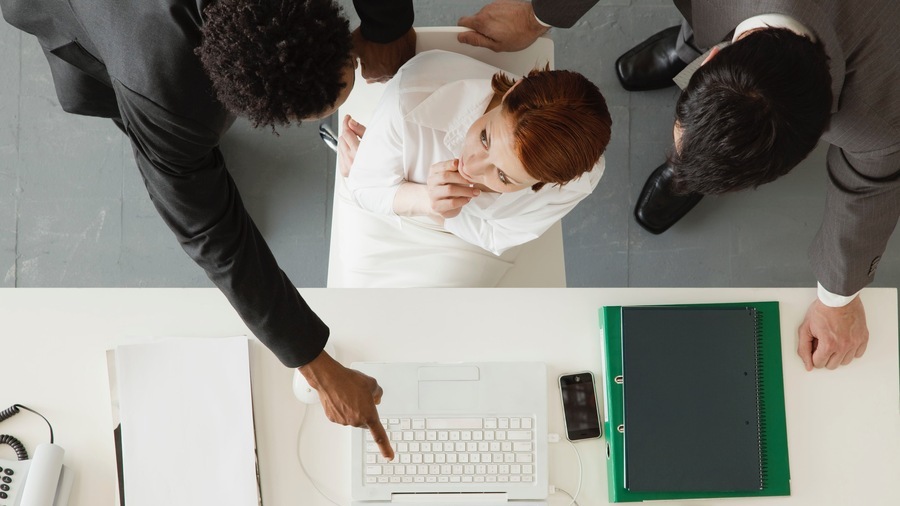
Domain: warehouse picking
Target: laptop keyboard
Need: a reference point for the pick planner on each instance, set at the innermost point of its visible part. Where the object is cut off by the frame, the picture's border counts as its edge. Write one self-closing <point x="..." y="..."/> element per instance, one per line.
<point x="454" y="450"/>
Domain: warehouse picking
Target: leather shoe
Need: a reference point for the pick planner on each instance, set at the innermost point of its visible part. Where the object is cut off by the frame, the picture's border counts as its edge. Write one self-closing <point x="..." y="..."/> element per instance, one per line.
<point x="652" y="64"/>
<point x="659" y="206"/>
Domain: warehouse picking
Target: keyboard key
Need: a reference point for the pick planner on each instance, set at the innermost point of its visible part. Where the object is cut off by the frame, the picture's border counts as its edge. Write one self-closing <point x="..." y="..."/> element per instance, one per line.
<point x="518" y="435"/>
<point x="515" y="423"/>
<point x="490" y="423"/>
<point x="453" y="423"/>
<point x="503" y="423"/>
<point x="418" y="423"/>
<point x="373" y="470"/>
<point x="522" y="447"/>
<point x="526" y="423"/>
<point x="523" y="457"/>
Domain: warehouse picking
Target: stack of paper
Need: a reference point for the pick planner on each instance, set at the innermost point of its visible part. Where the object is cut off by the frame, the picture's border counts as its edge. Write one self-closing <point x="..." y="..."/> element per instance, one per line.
<point x="187" y="423"/>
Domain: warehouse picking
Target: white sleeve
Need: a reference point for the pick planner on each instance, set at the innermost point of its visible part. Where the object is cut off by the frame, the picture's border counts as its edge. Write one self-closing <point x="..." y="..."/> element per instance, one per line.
<point x="833" y="299"/>
<point x="377" y="171"/>
<point x="522" y="221"/>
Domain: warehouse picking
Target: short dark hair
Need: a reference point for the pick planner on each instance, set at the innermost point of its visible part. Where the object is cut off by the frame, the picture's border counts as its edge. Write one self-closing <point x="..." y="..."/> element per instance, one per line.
<point x="275" y="61"/>
<point x="752" y="113"/>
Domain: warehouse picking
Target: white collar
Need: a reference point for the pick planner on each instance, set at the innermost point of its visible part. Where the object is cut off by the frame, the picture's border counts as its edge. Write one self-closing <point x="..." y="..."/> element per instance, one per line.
<point x="453" y="108"/>
<point x="773" y="20"/>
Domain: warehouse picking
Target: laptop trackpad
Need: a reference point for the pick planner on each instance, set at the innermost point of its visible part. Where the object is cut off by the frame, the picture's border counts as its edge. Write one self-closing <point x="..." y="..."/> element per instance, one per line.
<point x="444" y="388"/>
<point x="441" y="396"/>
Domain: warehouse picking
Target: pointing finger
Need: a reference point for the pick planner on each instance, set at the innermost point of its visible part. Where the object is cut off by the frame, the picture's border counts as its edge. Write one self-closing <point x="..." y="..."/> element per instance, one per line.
<point x="381" y="438"/>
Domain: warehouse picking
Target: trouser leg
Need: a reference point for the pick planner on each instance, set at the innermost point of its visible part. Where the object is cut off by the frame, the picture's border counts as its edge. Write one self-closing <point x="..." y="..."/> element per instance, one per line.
<point x="684" y="44"/>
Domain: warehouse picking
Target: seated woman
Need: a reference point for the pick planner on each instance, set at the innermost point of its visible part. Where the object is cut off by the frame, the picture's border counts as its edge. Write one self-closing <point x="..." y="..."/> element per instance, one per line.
<point x="461" y="164"/>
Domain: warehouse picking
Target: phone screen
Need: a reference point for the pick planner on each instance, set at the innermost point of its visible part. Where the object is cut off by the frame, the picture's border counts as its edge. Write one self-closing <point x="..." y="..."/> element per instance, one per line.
<point x="580" y="406"/>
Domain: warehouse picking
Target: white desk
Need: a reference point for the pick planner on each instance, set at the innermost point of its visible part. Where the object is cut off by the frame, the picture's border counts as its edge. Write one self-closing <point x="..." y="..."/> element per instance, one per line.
<point x="843" y="426"/>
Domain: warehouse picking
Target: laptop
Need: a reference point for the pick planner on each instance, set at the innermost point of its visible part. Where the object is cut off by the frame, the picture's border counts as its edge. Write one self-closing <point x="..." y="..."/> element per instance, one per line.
<point x="473" y="433"/>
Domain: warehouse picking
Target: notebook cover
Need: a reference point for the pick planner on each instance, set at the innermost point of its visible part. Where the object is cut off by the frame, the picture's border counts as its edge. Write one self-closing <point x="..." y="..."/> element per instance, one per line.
<point x="769" y="458"/>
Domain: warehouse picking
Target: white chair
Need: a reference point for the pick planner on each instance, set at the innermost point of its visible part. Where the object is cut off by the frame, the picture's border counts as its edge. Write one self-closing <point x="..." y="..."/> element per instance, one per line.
<point x="540" y="263"/>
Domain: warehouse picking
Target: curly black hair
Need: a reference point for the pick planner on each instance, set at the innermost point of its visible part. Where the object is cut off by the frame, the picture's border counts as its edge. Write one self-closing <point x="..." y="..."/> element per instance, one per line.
<point x="275" y="61"/>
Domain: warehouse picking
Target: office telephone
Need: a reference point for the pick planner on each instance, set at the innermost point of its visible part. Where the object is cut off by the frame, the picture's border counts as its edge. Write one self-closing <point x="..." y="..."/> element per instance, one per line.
<point x="42" y="480"/>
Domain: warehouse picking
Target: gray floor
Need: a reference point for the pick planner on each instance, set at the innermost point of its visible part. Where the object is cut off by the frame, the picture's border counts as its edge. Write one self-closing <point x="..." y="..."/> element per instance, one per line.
<point x="74" y="213"/>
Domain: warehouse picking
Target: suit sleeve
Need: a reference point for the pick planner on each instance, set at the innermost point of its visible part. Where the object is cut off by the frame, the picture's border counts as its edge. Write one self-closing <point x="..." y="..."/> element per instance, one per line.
<point x="187" y="180"/>
<point x="862" y="207"/>
<point x="561" y="14"/>
<point x="384" y="21"/>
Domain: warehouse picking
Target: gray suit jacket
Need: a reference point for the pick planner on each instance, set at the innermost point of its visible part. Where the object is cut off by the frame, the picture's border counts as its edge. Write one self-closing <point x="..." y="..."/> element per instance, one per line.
<point x="862" y="206"/>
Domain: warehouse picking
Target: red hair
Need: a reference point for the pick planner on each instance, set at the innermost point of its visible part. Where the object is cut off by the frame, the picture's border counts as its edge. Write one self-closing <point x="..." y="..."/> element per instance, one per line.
<point x="561" y="125"/>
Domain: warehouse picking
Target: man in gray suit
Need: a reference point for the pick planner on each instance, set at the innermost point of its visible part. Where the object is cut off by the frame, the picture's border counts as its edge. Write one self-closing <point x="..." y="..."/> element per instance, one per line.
<point x="172" y="75"/>
<point x="790" y="72"/>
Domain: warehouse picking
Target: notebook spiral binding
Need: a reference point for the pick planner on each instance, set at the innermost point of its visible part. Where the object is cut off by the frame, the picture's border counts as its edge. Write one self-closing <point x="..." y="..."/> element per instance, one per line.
<point x="760" y="399"/>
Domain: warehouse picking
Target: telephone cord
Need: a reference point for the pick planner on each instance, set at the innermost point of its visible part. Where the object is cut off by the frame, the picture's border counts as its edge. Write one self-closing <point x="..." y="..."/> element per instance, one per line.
<point x="17" y="446"/>
<point x="14" y="409"/>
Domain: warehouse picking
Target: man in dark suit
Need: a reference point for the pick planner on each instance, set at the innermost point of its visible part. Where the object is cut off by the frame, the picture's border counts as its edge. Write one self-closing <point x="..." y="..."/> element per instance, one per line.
<point x="789" y="73"/>
<point x="172" y="74"/>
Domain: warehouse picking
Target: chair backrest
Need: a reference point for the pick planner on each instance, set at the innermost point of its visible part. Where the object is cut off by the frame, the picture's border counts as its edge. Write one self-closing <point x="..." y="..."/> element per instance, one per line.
<point x="541" y="262"/>
<point x="364" y="98"/>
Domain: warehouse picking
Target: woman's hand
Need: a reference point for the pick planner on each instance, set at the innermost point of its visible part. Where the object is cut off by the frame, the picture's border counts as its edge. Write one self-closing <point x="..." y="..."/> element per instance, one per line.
<point x="448" y="190"/>
<point x="348" y="143"/>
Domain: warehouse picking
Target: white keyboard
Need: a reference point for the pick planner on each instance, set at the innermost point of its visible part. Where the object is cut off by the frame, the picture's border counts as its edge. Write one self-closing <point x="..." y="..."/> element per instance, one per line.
<point x="454" y="450"/>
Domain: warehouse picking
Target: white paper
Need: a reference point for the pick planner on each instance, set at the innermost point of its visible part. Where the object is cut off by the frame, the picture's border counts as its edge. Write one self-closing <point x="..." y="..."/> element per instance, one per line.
<point x="187" y="423"/>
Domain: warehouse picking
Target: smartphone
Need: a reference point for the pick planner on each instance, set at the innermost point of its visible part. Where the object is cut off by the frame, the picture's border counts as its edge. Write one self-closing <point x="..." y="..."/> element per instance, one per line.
<point x="579" y="400"/>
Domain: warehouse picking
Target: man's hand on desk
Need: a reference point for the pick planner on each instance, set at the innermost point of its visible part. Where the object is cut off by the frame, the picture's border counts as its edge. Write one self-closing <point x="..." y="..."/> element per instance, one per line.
<point x="833" y="336"/>
<point x="349" y="397"/>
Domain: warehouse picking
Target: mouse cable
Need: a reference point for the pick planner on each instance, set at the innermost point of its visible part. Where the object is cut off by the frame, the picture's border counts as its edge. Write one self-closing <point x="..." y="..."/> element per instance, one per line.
<point x="309" y="477"/>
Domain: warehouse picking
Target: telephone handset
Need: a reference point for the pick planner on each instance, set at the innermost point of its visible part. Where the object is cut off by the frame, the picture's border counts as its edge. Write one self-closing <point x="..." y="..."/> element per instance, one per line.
<point x="42" y="480"/>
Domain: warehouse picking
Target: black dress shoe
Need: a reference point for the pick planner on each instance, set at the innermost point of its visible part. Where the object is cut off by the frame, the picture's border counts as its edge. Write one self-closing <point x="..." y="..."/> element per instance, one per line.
<point x="658" y="206"/>
<point x="652" y="64"/>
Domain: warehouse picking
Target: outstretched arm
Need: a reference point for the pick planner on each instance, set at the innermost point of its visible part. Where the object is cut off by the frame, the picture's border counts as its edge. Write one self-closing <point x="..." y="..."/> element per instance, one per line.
<point x="861" y="210"/>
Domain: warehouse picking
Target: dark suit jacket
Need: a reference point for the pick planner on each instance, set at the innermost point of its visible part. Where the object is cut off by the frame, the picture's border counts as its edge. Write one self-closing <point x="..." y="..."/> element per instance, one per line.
<point x="862" y="41"/>
<point x="133" y="60"/>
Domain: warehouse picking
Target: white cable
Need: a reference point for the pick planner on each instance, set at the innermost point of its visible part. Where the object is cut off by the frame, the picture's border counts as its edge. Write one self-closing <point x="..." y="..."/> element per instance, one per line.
<point x="568" y="494"/>
<point x="315" y="484"/>
<point x="554" y="438"/>
<point x="577" y="490"/>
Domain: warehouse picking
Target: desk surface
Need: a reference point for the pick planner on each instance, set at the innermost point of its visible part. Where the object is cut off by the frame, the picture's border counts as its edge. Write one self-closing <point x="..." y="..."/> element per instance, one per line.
<point x="843" y="425"/>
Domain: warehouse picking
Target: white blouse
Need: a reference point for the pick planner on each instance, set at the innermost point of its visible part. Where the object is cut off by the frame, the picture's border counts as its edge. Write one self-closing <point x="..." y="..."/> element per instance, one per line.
<point x="422" y="119"/>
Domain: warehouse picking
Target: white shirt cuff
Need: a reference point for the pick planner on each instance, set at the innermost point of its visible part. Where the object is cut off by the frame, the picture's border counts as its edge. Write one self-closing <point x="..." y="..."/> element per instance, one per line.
<point x="541" y="22"/>
<point x="832" y="299"/>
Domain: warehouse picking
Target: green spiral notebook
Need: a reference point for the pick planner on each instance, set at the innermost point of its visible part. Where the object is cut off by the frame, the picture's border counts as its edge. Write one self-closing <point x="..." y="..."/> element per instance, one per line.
<point x="694" y="399"/>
